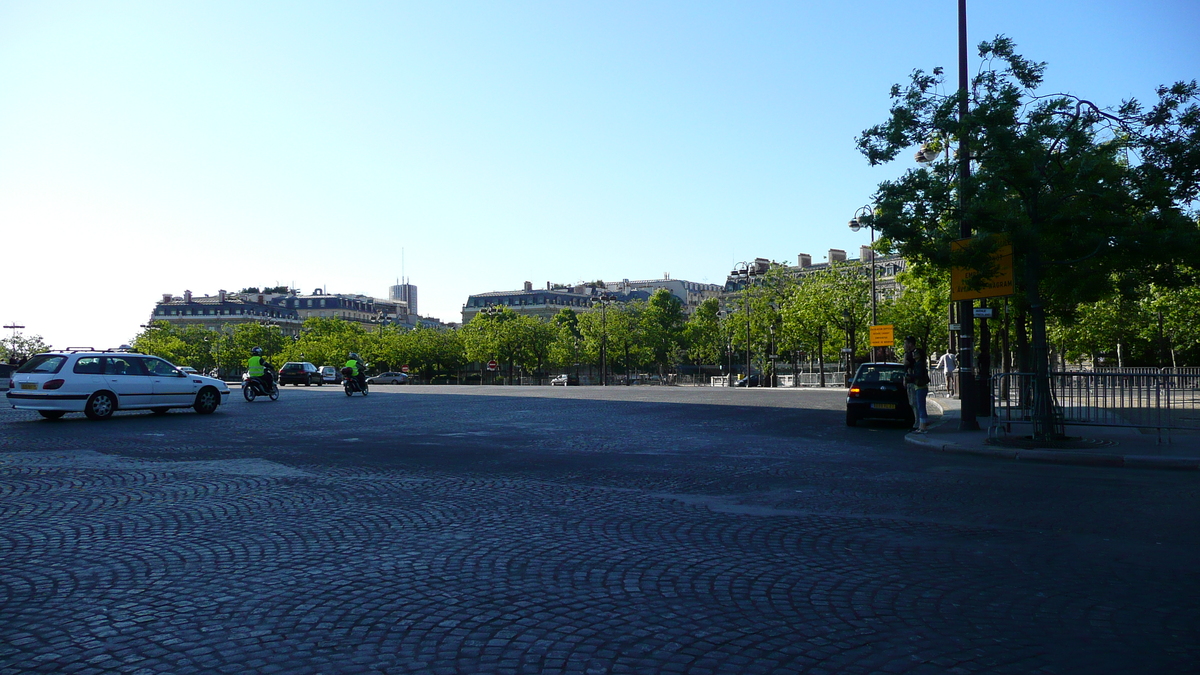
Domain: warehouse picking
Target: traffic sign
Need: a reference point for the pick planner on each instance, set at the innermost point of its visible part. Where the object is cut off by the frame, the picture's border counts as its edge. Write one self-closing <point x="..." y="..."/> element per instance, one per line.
<point x="984" y="313"/>
<point x="956" y="326"/>
<point x="404" y="369"/>
<point x="492" y="365"/>
<point x="883" y="336"/>
<point x="1000" y="283"/>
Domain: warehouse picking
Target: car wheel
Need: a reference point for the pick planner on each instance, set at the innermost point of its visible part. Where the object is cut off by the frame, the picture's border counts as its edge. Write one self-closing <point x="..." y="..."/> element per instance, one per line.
<point x="207" y="401"/>
<point x="308" y="384"/>
<point x="51" y="414"/>
<point x="100" y="406"/>
<point x="851" y="420"/>
<point x="160" y="411"/>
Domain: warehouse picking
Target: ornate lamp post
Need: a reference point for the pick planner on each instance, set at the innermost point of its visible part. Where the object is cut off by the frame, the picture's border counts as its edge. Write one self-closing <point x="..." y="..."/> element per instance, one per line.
<point x="866" y="214"/>
<point x="602" y="300"/>
<point x="747" y="271"/>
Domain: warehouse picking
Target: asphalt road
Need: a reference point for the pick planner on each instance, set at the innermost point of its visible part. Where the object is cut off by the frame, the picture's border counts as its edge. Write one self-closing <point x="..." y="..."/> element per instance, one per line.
<point x="580" y="530"/>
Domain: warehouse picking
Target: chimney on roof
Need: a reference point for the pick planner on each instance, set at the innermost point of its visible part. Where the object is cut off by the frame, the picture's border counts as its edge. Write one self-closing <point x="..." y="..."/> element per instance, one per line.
<point x="260" y="298"/>
<point x="221" y="295"/>
<point x="166" y="297"/>
<point x="187" y="296"/>
<point x="837" y="255"/>
<point x="547" y="285"/>
<point x="529" y="285"/>
<point x="866" y="254"/>
<point x="804" y="260"/>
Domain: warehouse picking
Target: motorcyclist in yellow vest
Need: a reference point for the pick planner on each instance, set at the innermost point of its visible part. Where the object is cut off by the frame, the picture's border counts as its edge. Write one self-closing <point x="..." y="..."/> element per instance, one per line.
<point x="357" y="369"/>
<point x="260" y="368"/>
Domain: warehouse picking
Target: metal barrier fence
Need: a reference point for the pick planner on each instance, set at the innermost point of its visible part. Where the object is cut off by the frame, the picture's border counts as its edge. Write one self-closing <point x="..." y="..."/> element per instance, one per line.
<point x="1160" y="401"/>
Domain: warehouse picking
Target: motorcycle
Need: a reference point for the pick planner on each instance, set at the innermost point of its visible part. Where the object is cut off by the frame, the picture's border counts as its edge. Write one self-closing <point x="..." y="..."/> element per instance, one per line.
<point x="350" y="383"/>
<point x="253" y="387"/>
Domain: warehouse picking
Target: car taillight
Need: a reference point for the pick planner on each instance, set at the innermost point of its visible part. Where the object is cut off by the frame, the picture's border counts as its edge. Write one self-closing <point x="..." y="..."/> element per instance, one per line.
<point x="854" y="392"/>
<point x="54" y="384"/>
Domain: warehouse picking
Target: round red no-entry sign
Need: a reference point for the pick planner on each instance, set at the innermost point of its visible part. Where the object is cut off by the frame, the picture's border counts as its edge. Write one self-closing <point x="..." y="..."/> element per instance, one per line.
<point x="492" y="365"/>
<point x="404" y="369"/>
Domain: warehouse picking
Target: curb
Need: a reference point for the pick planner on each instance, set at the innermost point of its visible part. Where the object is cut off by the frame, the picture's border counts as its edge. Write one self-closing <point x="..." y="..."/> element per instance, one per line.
<point x="1053" y="456"/>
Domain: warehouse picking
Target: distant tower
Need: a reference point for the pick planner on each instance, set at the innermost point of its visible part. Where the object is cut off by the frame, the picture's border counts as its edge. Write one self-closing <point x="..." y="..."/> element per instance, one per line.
<point x="405" y="292"/>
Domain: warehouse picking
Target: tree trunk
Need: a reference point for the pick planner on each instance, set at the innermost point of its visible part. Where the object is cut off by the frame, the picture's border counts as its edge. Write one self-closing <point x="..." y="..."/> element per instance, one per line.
<point x="1044" y="427"/>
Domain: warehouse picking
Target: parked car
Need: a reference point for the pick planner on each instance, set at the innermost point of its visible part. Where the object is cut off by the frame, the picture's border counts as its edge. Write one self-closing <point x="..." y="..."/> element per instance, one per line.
<point x="330" y="374"/>
<point x="751" y="381"/>
<point x="300" y="372"/>
<point x="565" y="380"/>
<point x="189" y="370"/>
<point x="878" y="392"/>
<point x="388" y="378"/>
<point x="98" y="383"/>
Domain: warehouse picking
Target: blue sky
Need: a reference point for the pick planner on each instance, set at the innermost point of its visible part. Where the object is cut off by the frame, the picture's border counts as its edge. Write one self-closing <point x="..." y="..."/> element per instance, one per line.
<point x="148" y="148"/>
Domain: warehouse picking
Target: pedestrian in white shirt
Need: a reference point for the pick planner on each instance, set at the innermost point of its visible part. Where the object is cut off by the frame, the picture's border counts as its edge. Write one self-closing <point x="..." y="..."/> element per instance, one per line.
<point x="949" y="365"/>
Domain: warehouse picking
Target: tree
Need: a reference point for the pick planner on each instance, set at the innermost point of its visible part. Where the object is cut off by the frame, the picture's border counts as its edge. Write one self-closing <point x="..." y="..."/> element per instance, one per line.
<point x="702" y="333"/>
<point x="1080" y="191"/>
<point x="922" y="307"/>
<point x="662" y="323"/>
<point x="18" y="345"/>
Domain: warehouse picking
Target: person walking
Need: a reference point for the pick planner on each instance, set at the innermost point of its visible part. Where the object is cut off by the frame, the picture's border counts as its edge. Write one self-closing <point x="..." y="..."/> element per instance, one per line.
<point x="949" y="365"/>
<point x="916" y="379"/>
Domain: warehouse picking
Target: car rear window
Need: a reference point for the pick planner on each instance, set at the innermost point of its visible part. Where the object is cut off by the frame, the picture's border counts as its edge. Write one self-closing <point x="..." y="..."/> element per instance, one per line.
<point x="43" y="363"/>
<point x="894" y="374"/>
<point x="293" y="366"/>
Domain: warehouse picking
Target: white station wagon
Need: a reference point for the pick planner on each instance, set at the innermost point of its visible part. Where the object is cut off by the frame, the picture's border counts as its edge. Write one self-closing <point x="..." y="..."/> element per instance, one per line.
<point x="98" y="383"/>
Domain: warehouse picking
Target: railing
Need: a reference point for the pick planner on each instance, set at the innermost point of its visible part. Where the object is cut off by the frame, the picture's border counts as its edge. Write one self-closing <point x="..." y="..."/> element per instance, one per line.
<point x="1155" y="400"/>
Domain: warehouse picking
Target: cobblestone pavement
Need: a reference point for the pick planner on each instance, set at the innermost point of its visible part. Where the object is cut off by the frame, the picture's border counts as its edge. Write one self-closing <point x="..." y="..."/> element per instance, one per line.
<point x="538" y="530"/>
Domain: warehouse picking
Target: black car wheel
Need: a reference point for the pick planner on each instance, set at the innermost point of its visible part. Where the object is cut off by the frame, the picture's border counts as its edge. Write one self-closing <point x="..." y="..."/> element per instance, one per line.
<point x="851" y="419"/>
<point x="207" y="401"/>
<point x="100" y="406"/>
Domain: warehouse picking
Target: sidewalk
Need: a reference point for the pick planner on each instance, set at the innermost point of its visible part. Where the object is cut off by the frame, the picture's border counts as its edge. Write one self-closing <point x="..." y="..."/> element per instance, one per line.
<point x="1105" y="446"/>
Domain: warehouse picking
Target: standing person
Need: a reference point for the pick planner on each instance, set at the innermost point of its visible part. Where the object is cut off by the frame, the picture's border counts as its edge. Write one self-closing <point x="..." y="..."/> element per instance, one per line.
<point x="949" y="365"/>
<point x="916" y="379"/>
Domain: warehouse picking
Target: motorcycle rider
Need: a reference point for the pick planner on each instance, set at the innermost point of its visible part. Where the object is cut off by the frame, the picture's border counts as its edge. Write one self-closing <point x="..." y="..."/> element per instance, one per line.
<point x="358" y="370"/>
<point x="260" y="368"/>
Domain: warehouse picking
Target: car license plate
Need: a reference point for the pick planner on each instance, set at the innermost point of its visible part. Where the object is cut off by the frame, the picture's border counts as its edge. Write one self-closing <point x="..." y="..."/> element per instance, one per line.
<point x="883" y="406"/>
<point x="29" y="385"/>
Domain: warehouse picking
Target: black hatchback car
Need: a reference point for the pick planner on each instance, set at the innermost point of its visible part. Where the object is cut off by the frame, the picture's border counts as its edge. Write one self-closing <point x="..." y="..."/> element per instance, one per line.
<point x="878" y="392"/>
<point x="300" y="372"/>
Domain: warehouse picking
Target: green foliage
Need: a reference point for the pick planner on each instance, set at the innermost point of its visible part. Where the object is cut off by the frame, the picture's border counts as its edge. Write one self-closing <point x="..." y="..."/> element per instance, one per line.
<point x="703" y="334"/>
<point x="18" y="345"/>
<point x="662" y="323"/>
<point x="922" y="310"/>
<point x="1052" y="173"/>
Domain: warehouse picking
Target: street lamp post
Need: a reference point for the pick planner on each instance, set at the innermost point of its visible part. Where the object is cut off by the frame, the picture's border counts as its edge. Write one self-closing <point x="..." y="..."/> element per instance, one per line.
<point x="747" y="270"/>
<point x="855" y="226"/>
<point x="603" y="299"/>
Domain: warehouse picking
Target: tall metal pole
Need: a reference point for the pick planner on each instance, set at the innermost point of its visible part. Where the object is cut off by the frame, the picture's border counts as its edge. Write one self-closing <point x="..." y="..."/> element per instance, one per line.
<point x="603" y="343"/>
<point x="966" y="372"/>
<point x="874" y="294"/>
<point x="747" y="327"/>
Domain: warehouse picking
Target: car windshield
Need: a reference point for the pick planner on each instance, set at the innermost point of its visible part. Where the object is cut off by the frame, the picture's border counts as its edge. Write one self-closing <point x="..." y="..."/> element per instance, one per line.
<point x="880" y="373"/>
<point x="43" y="363"/>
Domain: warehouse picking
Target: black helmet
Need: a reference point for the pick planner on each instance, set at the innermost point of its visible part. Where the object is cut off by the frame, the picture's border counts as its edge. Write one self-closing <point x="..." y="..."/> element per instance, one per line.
<point x="257" y="351"/>
<point x="354" y="355"/>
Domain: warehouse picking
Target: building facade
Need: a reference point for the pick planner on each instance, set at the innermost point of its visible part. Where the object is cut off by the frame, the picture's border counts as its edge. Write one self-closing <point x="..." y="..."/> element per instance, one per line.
<point x="545" y="303"/>
<point x="213" y="312"/>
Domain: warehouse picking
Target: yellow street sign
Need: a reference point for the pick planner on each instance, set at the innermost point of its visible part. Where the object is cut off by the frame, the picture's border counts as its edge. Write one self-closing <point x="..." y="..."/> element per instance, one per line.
<point x="883" y="336"/>
<point x="999" y="284"/>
